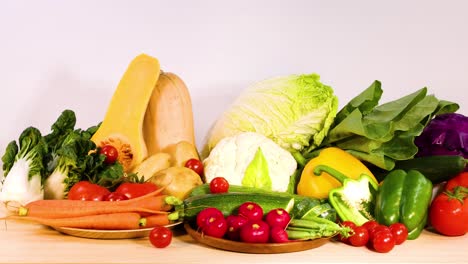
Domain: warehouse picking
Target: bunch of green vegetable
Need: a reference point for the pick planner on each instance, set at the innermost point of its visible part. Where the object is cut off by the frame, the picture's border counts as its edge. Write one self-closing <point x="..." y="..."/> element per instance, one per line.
<point x="48" y="166"/>
<point x="382" y="134"/>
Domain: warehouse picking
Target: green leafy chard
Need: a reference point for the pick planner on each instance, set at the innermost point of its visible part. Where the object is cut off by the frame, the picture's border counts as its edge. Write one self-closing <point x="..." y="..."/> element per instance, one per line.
<point x="382" y="134"/>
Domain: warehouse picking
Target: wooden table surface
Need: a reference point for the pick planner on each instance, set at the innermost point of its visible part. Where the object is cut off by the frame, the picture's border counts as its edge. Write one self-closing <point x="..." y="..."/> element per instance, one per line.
<point x="23" y="242"/>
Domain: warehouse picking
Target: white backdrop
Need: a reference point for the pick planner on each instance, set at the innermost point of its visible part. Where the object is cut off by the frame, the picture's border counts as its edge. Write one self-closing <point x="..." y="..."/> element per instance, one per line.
<point x="56" y="55"/>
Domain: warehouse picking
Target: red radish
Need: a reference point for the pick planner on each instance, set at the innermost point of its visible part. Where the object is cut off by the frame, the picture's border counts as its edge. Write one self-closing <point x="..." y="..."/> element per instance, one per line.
<point x="255" y="231"/>
<point x="278" y="235"/>
<point x="278" y="217"/>
<point x="207" y="213"/>
<point x="235" y="222"/>
<point x="251" y="211"/>
<point x="215" y="226"/>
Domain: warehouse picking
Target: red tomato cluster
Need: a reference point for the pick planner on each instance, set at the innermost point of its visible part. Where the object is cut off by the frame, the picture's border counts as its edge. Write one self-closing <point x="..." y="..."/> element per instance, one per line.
<point x="378" y="237"/>
<point x="87" y="191"/>
<point x="250" y="225"/>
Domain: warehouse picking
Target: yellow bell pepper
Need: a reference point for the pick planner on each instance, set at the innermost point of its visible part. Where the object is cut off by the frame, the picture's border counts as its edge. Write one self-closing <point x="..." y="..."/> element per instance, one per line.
<point x="319" y="186"/>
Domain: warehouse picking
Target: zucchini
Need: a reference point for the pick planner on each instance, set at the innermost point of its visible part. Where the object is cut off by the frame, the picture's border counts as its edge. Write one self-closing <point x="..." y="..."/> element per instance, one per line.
<point x="302" y="204"/>
<point x="228" y="203"/>
<point x="435" y="168"/>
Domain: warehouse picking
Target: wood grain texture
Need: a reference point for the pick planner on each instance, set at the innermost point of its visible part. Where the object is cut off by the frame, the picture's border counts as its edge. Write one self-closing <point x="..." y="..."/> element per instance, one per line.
<point x="22" y="242"/>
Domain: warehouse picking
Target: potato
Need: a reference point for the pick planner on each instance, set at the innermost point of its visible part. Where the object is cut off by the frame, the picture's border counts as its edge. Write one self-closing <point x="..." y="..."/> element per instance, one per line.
<point x="181" y="152"/>
<point x="178" y="181"/>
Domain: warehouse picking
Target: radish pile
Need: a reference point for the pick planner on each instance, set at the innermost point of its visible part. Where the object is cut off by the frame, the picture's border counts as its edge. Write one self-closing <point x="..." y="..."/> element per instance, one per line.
<point x="250" y="224"/>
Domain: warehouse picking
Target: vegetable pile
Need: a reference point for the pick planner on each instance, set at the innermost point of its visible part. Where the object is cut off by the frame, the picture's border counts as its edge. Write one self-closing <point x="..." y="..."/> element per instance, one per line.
<point x="281" y="164"/>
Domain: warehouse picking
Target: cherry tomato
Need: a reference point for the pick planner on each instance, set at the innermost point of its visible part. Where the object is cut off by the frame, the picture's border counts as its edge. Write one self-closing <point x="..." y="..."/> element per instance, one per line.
<point x="111" y="154"/>
<point x="349" y="224"/>
<point x="370" y="225"/>
<point x="219" y="185"/>
<point x="196" y="165"/>
<point x="379" y="228"/>
<point x="133" y="190"/>
<point x="360" y="236"/>
<point x="383" y="241"/>
<point x="84" y="190"/>
<point x="399" y="232"/>
<point x="448" y="215"/>
<point x="160" y="237"/>
<point x="114" y="196"/>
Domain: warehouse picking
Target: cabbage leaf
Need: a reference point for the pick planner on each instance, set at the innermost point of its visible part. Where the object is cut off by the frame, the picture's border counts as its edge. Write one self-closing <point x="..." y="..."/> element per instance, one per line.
<point x="294" y="111"/>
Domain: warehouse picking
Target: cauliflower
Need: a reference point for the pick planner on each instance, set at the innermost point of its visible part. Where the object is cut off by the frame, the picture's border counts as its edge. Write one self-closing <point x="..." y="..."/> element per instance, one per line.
<point x="251" y="159"/>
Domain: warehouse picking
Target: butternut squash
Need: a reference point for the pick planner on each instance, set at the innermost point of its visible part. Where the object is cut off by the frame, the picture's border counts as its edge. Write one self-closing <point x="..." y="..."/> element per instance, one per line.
<point x="169" y="117"/>
<point x="122" y="126"/>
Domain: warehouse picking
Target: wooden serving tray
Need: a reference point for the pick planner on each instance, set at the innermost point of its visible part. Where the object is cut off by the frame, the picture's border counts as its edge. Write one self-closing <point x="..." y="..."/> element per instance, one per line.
<point x="255" y="248"/>
<point x="108" y="234"/>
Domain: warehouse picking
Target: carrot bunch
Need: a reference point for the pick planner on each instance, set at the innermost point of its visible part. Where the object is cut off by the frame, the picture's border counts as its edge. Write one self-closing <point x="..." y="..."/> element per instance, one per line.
<point x="150" y="210"/>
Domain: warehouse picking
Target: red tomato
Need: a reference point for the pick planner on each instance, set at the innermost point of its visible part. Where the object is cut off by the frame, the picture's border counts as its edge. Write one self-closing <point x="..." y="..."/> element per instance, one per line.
<point x="377" y="229"/>
<point x="370" y="225"/>
<point x="399" y="232"/>
<point x="459" y="180"/>
<point x="349" y="224"/>
<point x="360" y="236"/>
<point x="448" y="214"/>
<point x="111" y="154"/>
<point x="113" y="196"/>
<point x="196" y="165"/>
<point x="383" y="241"/>
<point x="133" y="190"/>
<point x="84" y="190"/>
<point x="219" y="185"/>
<point x="160" y="237"/>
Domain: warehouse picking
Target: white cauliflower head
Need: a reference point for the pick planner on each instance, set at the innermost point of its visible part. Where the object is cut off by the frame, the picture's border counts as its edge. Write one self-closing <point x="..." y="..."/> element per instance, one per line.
<point x="232" y="155"/>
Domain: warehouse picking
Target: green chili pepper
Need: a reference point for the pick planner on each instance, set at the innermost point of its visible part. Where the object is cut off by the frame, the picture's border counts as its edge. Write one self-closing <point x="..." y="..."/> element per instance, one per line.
<point x="355" y="200"/>
<point x="404" y="197"/>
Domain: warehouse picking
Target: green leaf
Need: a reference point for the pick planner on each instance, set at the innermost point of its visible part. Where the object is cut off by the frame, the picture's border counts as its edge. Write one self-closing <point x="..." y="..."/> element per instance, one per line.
<point x="9" y="156"/>
<point x="382" y="134"/>
<point x="257" y="174"/>
<point x="64" y="124"/>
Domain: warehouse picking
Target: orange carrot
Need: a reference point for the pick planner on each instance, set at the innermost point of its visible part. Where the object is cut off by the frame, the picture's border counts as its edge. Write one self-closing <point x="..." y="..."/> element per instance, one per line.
<point x="117" y="221"/>
<point x="74" y="208"/>
<point x="155" y="220"/>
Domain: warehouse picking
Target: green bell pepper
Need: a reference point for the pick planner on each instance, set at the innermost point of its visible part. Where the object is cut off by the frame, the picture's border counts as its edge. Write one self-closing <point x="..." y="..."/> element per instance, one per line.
<point x="355" y="199"/>
<point x="404" y="197"/>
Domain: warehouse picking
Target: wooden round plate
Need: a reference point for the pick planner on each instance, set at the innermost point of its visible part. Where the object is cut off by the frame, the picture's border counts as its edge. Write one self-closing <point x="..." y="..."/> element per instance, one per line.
<point x="256" y="248"/>
<point x="108" y="234"/>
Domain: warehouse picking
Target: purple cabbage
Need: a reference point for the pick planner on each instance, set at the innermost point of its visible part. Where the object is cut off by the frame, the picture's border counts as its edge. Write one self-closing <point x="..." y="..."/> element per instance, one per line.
<point x="446" y="134"/>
